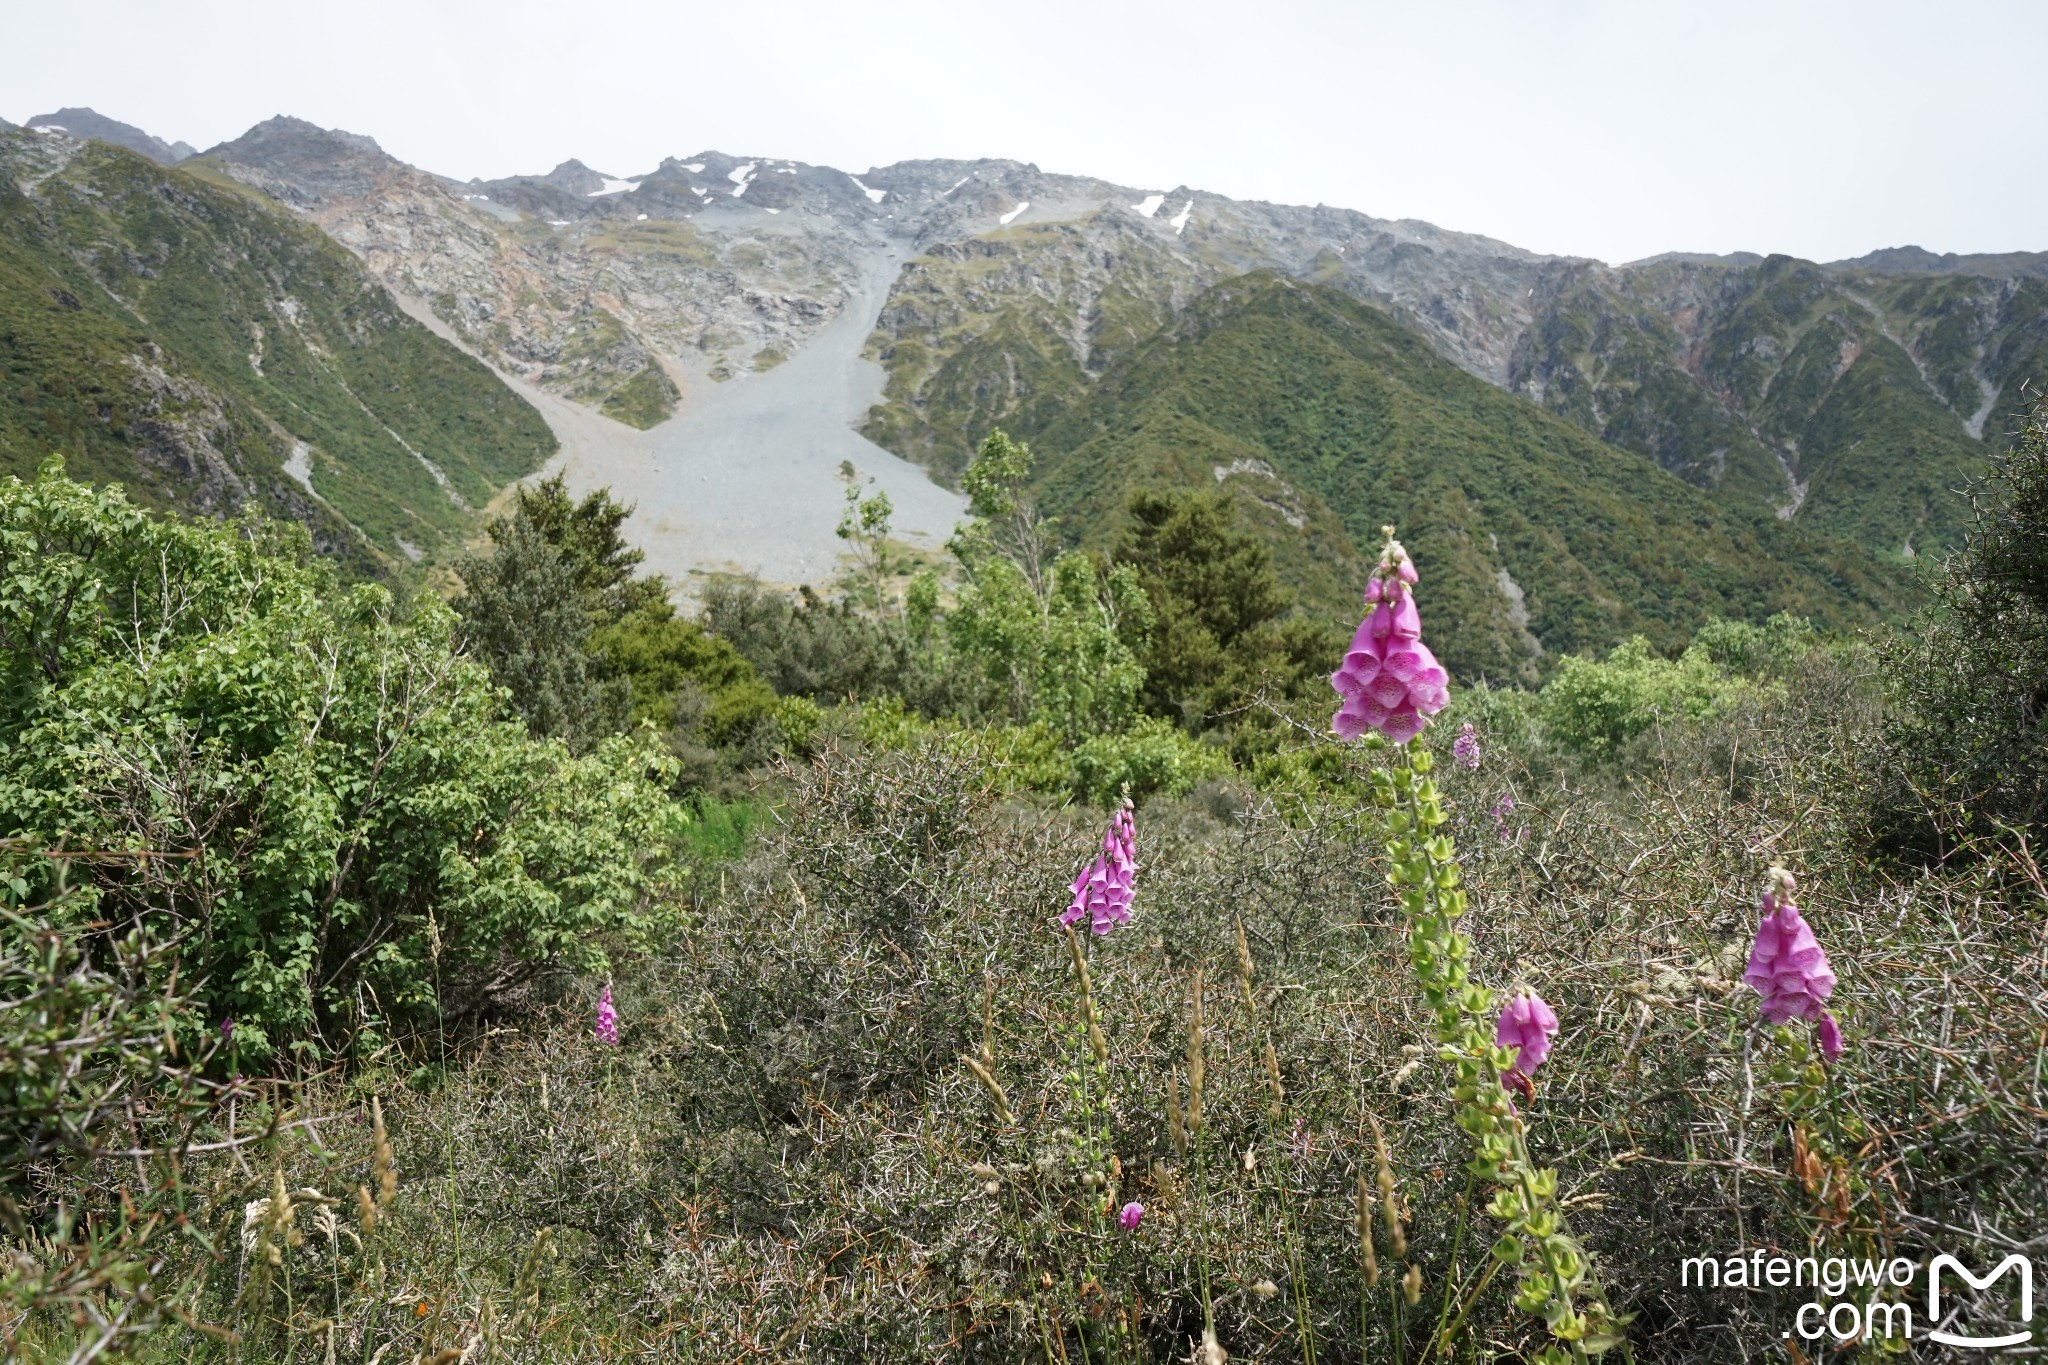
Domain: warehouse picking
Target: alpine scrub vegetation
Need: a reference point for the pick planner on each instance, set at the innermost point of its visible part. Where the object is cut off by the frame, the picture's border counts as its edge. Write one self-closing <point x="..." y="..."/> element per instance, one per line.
<point x="305" y="785"/>
<point x="361" y="1009"/>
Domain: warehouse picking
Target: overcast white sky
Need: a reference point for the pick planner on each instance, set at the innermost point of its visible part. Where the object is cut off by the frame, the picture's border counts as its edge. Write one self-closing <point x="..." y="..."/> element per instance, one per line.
<point x="1608" y="128"/>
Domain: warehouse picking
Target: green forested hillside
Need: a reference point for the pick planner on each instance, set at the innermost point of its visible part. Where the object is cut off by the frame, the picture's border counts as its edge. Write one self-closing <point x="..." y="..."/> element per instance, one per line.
<point x="210" y="351"/>
<point x="1858" y="404"/>
<point x="1333" y="420"/>
<point x="1007" y="328"/>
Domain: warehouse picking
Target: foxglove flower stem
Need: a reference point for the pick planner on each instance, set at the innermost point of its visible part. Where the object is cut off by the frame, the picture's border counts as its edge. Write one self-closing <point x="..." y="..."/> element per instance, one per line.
<point x="1556" y="1279"/>
<point x="1391" y="684"/>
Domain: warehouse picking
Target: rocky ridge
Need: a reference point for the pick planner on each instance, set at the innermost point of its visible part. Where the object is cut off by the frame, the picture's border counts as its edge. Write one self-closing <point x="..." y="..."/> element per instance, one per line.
<point x="88" y="123"/>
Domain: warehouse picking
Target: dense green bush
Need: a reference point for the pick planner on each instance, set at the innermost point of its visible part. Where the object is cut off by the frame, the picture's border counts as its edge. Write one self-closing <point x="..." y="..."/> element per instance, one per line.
<point x="1970" y="685"/>
<point x="304" y="781"/>
<point x="1593" y="708"/>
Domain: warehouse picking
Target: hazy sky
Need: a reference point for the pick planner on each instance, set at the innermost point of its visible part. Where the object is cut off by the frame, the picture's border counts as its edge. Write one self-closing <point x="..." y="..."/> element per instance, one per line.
<point x="1608" y="128"/>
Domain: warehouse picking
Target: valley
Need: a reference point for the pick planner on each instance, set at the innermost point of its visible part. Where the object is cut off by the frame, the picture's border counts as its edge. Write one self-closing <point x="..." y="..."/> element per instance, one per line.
<point x="715" y="337"/>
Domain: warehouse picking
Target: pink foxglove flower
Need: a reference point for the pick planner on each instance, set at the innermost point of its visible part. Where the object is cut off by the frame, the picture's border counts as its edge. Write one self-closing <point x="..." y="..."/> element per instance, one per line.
<point x="1103" y="889"/>
<point x="1830" y="1034"/>
<point x="1130" y="1215"/>
<point x="1465" y="748"/>
<point x="1389" y="681"/>
<point x="607" y="1019"/>
<point x="1527" y="1025"/>
<point x="1789" y="968"/>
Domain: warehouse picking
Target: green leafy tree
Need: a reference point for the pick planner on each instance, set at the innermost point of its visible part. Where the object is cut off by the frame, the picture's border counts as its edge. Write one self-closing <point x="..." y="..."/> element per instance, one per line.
<point x="1595" y="707"/>
<point x="307" y="784"/>
<point x="1006" y="522"/>
<point x="589" y="536"/>
<point x="864" y="526"/>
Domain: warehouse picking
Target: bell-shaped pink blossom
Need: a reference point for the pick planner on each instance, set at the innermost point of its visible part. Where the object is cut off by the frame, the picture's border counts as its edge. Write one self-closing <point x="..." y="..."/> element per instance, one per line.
<point x="1527" y="1025"/>
<point x="1787" y="965"/>
<point x="1130" y="1215"/>
<point x="607" y="1019"/>
<point x="1389" y="681"/>
<point x="1830" y="1035"/>
<point x="1103" y="890"/>
<point x="1789" y="968"/>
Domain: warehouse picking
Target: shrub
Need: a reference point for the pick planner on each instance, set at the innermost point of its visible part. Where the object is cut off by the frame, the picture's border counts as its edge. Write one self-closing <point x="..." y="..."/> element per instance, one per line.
<point x="1968" y="752"/>
<point x="306" y="781"/>
<point x="1594" y="708"/>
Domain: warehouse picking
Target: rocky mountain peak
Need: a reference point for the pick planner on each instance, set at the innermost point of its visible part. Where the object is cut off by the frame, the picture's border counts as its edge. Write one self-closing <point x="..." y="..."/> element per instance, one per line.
<point x="306" y="165"/>
<point x="89" y="123"/>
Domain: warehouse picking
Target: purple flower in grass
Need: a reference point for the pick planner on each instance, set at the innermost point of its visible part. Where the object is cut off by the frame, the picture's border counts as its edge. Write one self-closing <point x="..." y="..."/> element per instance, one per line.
<point x="1527" y="1025"/>
<point x="1103" y="889"/>
<point x="1465" y="748"/>
<point x="1503" y="811"/>
<point x="1789" y="968"/>
<point x="607" y="1019"/>
<point x="1389" y="681"/>
<point x="1130" y="1215"/>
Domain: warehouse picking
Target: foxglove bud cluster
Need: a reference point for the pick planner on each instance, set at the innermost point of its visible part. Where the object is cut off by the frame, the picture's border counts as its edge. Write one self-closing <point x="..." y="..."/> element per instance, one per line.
<point x="607" y="1019"/>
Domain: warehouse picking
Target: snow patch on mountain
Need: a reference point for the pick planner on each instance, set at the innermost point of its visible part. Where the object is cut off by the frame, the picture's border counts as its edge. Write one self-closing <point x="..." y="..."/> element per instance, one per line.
<point x="1005" y="219"/>
<point x="612" y="187"/>
<point x="874" y="196"/>
<point x="1180" y="220"/>
<point x="1150" y="206"/>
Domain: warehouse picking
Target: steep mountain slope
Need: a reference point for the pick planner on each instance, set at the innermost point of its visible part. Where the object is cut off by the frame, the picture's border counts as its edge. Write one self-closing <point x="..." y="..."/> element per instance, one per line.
<point x="610" y="289"/>
<point x="1853" y="398"/>
<point x="608" y="296"/>
<point x="95" y="125"/>
<point x="1851" y="401"/>
<point x="211" y="351"/>
<point x="1536" y="538"/>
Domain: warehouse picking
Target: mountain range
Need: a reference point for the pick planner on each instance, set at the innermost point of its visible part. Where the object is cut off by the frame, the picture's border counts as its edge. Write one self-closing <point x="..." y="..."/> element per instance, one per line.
<point x="1820" y="415"/>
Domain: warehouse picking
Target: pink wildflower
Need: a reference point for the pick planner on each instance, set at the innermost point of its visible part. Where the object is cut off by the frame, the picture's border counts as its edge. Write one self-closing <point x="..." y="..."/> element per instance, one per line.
<point x="1103" y="889"/>
<point x="1830" y="1034"/>
<point x="607" y="1019"/>
<point x="1465" y="748"/>
<point x="1789" y="968"/>
<point x="1527" y="1025"/>
<point x="1502" y="810"/>
<point x="1389" y="681"/>
<point x="1130" y="1215"/>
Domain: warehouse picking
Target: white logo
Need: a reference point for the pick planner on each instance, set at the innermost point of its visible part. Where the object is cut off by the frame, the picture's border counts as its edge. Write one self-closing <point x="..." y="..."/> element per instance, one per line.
<point x="2012" y="1262"/>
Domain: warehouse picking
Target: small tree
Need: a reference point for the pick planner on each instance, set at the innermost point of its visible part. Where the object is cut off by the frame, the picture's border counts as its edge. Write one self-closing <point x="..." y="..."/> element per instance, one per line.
<point x="525" y="614"/>
<point x="1006" y="521"/>
<point x="864" y="526"/>
<point x="1224" y="627"/>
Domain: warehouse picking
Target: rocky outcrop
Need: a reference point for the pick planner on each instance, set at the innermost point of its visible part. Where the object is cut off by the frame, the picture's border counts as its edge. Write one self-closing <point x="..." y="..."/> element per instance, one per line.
<point x="87" y="123"/>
